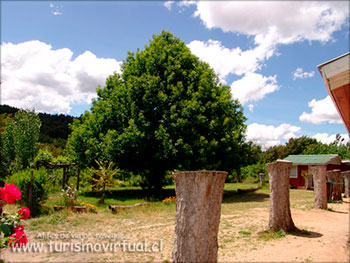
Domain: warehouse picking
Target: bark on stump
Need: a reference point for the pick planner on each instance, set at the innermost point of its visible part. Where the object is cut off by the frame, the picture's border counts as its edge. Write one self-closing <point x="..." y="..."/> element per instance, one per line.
<point x="198" y="209"/>
<point x="320" y="187"/>
<point x="280" y="215"/>
<point x="308" y="181"/>
<point x="261" y="179"/>
<point x="335" y="178"/>
<point x="346" y="176"/>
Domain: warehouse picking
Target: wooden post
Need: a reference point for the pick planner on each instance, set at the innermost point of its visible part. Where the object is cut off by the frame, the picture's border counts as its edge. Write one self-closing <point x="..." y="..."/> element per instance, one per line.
<point x="280" y="215"/>
<point x="78" y="175"/>
<point x="64" y="178"/>
<point x="198" y="210"/>
<point x="261" y="179"/>
<point x="346" y="176"/>
<point x="334" y="176"/>
<point x="320" y="187"/>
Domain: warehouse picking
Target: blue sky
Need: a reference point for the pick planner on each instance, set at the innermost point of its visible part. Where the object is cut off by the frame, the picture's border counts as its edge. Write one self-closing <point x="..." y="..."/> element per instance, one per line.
<point x="54" y="54"/>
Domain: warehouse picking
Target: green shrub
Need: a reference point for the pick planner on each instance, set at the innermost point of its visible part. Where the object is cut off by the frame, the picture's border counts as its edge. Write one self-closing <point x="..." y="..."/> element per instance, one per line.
<point x="41" y="187"/>
<point x="168" y="179"/>
<point x="252" y="172"/>
<point x="43" y="158"/>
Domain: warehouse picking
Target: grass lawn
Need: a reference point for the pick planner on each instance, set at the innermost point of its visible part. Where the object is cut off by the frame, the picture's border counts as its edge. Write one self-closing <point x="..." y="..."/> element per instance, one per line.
<point x="242" y="216"/>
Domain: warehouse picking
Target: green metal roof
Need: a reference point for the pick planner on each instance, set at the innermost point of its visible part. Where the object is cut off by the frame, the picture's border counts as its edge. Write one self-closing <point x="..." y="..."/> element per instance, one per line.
<point x="313" y="159"/>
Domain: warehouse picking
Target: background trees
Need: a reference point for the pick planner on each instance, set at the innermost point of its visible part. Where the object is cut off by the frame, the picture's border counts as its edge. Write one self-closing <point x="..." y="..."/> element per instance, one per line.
<point x="167" y="110"/>
<point x="18" y="142"/>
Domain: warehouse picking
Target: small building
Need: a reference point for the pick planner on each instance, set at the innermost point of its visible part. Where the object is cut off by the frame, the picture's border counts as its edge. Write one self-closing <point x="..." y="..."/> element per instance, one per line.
<point x="302" y="166"/>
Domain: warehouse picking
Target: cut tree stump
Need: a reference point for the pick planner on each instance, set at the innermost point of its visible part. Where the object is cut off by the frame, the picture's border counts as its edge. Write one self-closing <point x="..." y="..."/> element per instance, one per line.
<point x="280" y="215"/>
<point x="261" y="179"/>
<point x="336" y="180"/>
<point x="118" y="208"/>
<point x="346" y="176"/>
<point x="320" y="187"/>
<point x="308" y="181"/>
<point x="198" y="209"/>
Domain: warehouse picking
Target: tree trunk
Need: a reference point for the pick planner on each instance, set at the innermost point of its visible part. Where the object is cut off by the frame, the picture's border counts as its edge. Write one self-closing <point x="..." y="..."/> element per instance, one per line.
<point x="198" y="210"/>
<point x="308" y="181"/>
<point x="335" y="178"/>
<point x="30" y="191"/>
<point x="280" y="215"/>
<point x="320" y="187"/>
<point x="261" y="179"/>
<point x="346" y="176"/>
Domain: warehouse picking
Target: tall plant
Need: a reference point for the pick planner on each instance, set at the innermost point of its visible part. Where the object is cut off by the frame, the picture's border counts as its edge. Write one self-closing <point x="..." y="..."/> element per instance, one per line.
<point x="104" y="178"/>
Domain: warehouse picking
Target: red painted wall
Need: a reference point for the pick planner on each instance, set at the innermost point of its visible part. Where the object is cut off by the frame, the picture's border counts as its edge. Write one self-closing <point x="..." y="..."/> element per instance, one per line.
<point x="300" y="181"/>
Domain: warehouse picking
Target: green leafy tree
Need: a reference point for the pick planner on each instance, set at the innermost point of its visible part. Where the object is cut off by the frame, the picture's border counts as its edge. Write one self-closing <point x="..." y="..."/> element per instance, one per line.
<point x="104" y="177"/>
<point x="338" y="146"/>
<point x="299" y="145"/>
<point x="19" y="141"/>
<point x="166" y="110"/>
<point x="43" y="158"/>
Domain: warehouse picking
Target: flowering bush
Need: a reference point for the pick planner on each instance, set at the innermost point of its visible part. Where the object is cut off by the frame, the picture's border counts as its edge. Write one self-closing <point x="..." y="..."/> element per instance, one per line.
<point x="11" y="231"/>
<point x="10" y="193"/>
<point x="169" y="200"/>
<point x="91" y="208"/>
<point x="70" y="196"/>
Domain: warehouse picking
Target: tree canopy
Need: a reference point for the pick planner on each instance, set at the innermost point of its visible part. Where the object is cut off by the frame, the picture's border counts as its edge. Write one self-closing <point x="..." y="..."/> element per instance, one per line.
<point x="166" y="110"/>
<point x="18" y="142"/>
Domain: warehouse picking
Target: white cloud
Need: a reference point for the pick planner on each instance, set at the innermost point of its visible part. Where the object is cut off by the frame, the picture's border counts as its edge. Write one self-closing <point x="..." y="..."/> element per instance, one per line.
<point x="268" y="135"/>
<point x="227" y="61"/>
<point x="56" y="10"/>
<point x="253" y="87"/>
<point x="321" y="111"/>
<point x="169" y="4"/>
<point x="36" y="76"/>
<point x="300" y="74"/>
<point x="291" y="21"/>
<point x="325" y="138"/>
<point x="251" y="107"/>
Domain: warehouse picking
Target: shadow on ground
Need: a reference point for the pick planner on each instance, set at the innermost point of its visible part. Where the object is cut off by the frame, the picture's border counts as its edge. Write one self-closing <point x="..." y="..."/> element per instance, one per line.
<point x="232" y="196"/>
<point x="132" y="194"/>
<point x="305" y="233"/>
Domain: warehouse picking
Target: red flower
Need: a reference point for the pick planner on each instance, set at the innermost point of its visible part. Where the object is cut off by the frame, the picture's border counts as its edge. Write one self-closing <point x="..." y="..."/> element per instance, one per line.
<point x="19" y="228"/>
<point x="18" y="239"/>
<point x="10" y="193"/>
<point x="24" y="213"/>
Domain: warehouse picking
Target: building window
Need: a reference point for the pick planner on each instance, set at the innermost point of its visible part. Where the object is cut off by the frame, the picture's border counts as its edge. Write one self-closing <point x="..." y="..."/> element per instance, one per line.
<point x="293" y="172"/>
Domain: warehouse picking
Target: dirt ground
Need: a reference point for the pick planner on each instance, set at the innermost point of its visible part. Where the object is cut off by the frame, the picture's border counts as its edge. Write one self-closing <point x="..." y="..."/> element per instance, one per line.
<point x="328" y="241"/>
<point x="238" y="239"/>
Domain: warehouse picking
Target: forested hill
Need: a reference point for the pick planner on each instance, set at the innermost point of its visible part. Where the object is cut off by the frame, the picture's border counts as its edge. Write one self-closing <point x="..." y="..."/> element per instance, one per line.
<point x="53" y="126"/>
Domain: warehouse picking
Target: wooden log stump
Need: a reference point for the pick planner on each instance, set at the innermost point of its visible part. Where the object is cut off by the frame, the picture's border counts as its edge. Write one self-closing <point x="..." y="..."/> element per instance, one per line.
<point x="261" y="179"/>
<point x="319" y="173"/>
<point x="198" y="209"/>
<point x="308" y="181"/>
<point x="118" y="208"/>
<point x="280" y="215"/>
<point x="346" y="176"/>
<point x="335" y="178"/>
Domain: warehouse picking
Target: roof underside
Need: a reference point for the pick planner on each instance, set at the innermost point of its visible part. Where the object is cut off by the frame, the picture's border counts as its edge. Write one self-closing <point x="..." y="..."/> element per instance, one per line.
<point x="314" y="159"/>
<point x="336" y="76"/>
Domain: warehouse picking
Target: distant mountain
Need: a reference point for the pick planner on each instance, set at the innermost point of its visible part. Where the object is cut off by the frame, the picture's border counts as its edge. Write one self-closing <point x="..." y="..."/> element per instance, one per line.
<point x="53" y="126"/>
